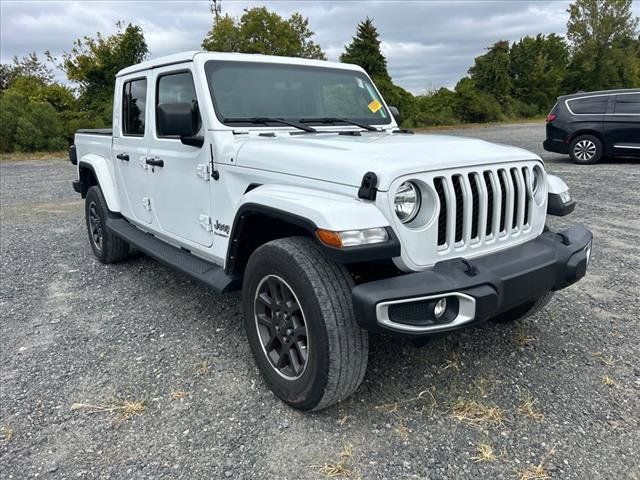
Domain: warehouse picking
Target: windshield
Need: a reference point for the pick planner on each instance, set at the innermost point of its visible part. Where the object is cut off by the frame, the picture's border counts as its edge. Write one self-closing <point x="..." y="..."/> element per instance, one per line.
<point x="245" y="90"/>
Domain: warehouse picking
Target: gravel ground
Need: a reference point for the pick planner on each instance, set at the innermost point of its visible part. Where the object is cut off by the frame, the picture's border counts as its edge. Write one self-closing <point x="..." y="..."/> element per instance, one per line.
<point x="75" y="331"/>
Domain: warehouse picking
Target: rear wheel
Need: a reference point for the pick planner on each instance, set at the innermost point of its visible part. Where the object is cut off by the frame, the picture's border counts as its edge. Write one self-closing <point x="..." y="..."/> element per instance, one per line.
<point x="525" y="310"/>
<point x="586" y="149"/>
<point x="106" y="246"/>
<point x="300" y="324"/>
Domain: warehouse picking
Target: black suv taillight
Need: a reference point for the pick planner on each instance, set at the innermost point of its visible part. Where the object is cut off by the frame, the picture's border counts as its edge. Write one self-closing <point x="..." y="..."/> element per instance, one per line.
<point x="551" y="117"/>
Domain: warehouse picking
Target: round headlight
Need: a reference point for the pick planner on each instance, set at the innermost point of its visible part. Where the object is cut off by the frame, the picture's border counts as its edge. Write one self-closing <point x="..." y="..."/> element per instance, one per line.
<point x="536" y="180"/>
<point x="407" y="202"/>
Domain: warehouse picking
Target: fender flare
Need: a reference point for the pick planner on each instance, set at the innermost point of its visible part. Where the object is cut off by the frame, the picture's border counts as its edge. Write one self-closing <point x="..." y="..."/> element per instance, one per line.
<point x="104" y="176"/>
<point x="556" y="205"/>
<point x="308" y="210"/>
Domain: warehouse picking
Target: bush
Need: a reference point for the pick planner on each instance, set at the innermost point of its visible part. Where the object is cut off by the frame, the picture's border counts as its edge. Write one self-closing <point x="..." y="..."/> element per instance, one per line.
<point x="472" y="105"/>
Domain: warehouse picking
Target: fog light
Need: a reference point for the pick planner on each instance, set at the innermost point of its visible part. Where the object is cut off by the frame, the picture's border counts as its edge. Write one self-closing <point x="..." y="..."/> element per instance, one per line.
<point x="440" y="308"/>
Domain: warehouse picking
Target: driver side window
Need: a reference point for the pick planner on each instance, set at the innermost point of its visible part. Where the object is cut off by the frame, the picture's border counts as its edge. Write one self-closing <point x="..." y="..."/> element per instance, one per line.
<point x="177" y="88"/>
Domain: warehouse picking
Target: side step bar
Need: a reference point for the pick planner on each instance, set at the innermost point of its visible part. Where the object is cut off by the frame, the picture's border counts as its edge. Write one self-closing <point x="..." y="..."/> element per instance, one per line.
<point x="211" y="275"/>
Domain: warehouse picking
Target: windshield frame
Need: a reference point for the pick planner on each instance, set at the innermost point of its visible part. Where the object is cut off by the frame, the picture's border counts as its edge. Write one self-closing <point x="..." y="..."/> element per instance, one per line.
<point x="382" y="122"/>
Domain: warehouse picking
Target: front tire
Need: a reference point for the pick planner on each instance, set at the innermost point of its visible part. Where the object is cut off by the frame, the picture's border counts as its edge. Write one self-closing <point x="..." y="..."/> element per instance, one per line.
<point x="525" y="310"/>
<point x="300" y="324"/>
<point x="106" y="246"/>
<point x="586" y="150"/>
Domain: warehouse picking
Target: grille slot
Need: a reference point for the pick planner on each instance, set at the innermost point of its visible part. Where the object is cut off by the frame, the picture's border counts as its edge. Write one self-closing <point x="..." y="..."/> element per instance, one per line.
<point x="478" y="206"/>
<point x="442" y="216"/>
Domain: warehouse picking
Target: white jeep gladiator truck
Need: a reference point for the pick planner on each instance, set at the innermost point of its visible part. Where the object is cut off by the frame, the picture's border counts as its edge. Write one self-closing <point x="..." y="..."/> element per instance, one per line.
<point x="291" y="180"/>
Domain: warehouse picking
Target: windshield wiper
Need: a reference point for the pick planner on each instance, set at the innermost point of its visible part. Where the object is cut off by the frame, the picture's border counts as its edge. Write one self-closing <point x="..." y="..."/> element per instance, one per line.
<point x="366" y="126"/>
<point x="267" y="120"/>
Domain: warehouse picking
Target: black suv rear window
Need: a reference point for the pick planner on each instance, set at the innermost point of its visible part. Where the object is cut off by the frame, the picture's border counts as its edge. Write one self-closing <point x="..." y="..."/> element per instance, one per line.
<point x="628" y="104"/>
<point x="589" y="105"/>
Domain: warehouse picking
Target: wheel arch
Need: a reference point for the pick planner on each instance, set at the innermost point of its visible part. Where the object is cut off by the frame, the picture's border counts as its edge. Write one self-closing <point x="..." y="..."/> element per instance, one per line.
<point x="267" y="213"/>
<point x="588" y="131"/>
<point x="93" y="170"/>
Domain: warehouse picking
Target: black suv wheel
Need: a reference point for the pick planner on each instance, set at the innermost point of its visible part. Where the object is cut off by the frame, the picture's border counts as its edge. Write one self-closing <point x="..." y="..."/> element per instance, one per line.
<point x="585" y="149"/>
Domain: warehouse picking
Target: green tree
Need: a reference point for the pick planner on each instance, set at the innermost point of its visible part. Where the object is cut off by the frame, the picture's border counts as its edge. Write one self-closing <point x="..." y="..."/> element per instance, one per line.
<point x="265" y="32"/>
<point x="491" y="73"/>
<point x="364" y="50"/>
<point x="27" y="66"/>
<point x="93" y="63"/>
<point x="538" y="66"/>
<point x="605" y="45"/>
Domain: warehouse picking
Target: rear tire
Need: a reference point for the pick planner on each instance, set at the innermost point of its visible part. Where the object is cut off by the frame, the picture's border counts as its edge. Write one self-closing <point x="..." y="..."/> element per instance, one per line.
<point x="586" y="150"/>
<point x="525" y="310"/>
<point x="300" y="324"/>
<point x="106" y="246"/>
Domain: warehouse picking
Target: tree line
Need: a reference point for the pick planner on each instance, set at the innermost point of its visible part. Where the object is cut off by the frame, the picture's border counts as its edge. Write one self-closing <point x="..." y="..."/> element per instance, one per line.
<point x="601" y="50"/>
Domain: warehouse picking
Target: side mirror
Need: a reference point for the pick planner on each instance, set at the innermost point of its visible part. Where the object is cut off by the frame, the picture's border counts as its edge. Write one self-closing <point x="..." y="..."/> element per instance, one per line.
<point x="179" y="120"/>
<point x="396" y="115"/>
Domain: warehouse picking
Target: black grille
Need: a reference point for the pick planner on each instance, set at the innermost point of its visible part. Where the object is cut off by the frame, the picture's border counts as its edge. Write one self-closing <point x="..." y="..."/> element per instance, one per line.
<point x="487" y="181"/>
<point x="413" y="313"/>
<point x="525" y="175"/>
<point x="504" y="200"/>
<point x="516" y="193"/>
<point x="457" y="189"/>
<point x="442" y="217"/>
<point x="475" y="208"/>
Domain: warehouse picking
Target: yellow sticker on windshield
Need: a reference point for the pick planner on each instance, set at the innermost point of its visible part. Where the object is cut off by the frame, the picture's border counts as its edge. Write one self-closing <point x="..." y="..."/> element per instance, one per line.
<point x="375" y="106"/>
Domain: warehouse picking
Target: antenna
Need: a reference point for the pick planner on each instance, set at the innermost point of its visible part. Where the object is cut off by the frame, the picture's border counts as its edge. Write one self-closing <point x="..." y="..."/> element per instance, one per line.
<point x="215" y="7"/>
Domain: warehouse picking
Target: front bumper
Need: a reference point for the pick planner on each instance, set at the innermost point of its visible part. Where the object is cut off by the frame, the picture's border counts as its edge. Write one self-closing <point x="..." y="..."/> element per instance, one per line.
<point x="476" y="290"/>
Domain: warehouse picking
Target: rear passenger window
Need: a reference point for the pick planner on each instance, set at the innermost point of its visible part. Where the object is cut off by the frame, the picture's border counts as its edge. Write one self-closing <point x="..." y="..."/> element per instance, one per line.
<point x="590" y="105"/>
<point x="134" y="102"/>
<point x="177" y="88"/>
<point x="629" y="104"/>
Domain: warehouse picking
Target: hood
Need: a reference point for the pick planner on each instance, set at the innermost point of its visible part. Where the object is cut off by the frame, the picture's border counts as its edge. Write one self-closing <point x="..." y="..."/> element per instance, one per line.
<point x="344" y="159"/>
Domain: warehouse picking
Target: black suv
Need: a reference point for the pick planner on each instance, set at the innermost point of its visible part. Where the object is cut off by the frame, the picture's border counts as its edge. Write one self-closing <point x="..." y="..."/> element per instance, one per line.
<point x="590" y="125"/>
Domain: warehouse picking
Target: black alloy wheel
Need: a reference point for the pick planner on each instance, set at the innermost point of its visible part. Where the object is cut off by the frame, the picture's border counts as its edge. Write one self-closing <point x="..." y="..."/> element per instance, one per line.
<point x="281" y="327"/>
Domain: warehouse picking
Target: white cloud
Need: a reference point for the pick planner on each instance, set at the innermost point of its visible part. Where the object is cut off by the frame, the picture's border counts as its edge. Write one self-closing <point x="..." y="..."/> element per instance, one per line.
<point x="427" y="43"/>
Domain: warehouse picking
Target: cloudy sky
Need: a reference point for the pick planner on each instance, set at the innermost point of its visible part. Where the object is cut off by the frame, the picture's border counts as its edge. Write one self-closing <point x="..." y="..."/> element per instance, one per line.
<point x="428" y="44"/>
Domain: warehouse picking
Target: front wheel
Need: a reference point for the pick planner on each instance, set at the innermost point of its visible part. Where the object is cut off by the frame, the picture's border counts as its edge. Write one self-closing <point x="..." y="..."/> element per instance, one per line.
<point x="300" y="324"/>
<point x="586" y="149"/>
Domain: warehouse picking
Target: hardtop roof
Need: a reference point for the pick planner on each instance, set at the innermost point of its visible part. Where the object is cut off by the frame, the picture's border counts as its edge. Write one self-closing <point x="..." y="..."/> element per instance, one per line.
<point x="184" y="57"/>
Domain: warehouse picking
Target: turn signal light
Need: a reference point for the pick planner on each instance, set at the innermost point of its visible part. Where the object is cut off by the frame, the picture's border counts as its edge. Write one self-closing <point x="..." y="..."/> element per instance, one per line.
<point x="352" y="238"/>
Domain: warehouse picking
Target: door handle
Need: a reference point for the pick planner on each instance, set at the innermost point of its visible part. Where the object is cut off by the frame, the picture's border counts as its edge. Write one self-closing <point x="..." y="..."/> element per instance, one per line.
<point x="155" y="162"/>
<point x="123" y="156"/>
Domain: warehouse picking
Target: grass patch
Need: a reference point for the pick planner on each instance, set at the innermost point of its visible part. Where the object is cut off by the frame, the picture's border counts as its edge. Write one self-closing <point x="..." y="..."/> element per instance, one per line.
<point x="202" y="368"/>
<point x="484" y="453"/>
<point x="179" y="395"/>
<point x="21" y="156"/>
<point x="7" y="433"/>
<point x="534" y="472"/>
<point x="537" y="472"/>
<point x="125" y="409"/>
<point x="608" y="381"/>
<point x="527" y="408"/>
<point x="426" y="397"/>
<point x="522" y="336"/>
<point x="453" y="362"/>
<point x="341" y="467"/>
<point x="464" y="126"/>
<point x="476" y="413"/>
<point x="605" y="359"/>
